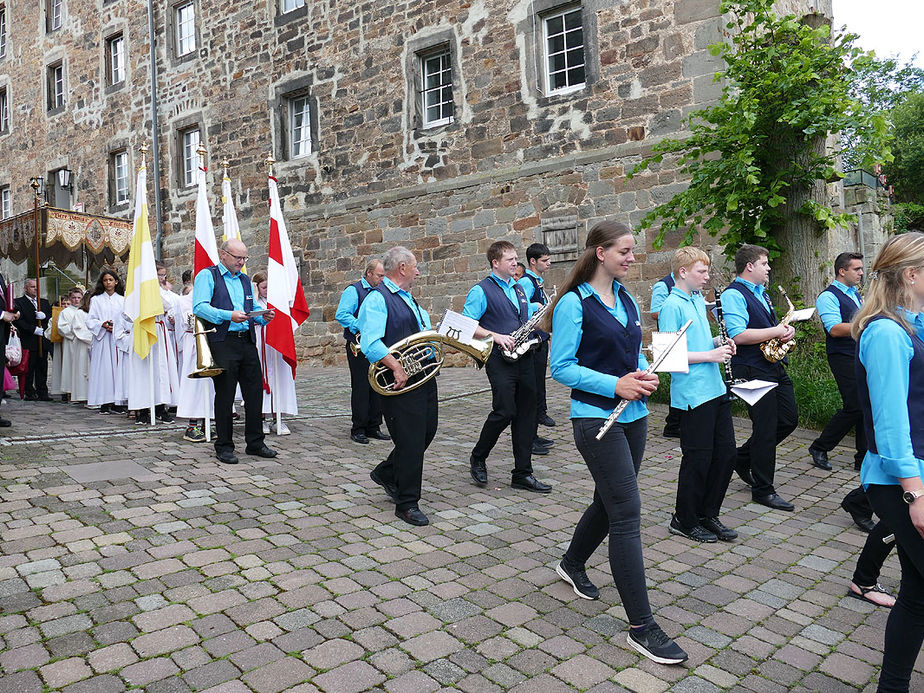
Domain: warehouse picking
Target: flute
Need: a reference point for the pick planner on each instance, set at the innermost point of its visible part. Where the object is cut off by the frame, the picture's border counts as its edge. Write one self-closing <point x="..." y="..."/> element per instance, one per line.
<point x="611" y="419"/>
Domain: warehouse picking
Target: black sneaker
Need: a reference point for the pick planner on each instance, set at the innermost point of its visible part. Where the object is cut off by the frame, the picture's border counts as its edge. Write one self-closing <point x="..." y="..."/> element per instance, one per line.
<point x="578" y="580"/>
<point x="653" y="642"/>
<point x="697" y="533"/>
<point x="714" y="525"/>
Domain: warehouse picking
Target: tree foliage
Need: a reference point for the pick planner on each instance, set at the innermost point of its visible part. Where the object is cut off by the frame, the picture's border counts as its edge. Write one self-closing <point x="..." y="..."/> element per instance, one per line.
<point x="906" y="171"/>
<point x="787" y="84"/>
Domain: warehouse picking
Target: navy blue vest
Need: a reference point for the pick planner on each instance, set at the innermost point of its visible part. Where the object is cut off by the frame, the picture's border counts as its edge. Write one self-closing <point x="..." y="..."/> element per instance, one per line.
<point x="362" y="292"/>
<point x="401" y="320"/>
<point x="841" y="345"/>
<point x="915" y="396"/>
<point x="500" y="315"/>
<point x="222" y="299"/>
<point x="669" y="280"/>
<point x="538" y="296"/>
<point x="760" y="315"/>
<point x="606" y="345"/>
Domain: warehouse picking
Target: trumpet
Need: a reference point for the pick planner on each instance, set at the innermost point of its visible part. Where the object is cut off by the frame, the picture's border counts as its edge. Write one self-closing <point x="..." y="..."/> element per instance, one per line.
<point x="421" y="357"/>
<point x="775" y="350"/>
<point x="205" y="364"/>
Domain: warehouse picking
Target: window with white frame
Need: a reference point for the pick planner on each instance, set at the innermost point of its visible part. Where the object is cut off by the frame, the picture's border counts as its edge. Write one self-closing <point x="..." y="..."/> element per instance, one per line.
<point x="55" y="14"/>
<point x="189" y="143"/>
<point x="6" y="202"/>
<point x="2" y="32"/>
<point x="4" y="111"/>
<point x="56" y="86"/>
<point x="563" y="34"/>
<point x="299" y="126"/>
<point x="289" y="5"/>
<point x="118" y="164"/>
<point x="185" y="20"/>
<point x="115" y="59"/>
<point x="436" y="87"/>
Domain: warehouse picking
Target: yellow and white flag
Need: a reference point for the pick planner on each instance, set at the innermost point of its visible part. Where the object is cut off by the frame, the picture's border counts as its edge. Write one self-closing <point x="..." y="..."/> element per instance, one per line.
<point x="142" y="290"/>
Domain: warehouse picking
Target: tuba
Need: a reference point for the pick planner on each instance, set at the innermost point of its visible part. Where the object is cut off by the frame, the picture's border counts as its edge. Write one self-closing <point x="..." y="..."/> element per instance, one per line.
<point x="773" y="349"/>
<point x="205" y="364"/>
<point x="421" y="357"/>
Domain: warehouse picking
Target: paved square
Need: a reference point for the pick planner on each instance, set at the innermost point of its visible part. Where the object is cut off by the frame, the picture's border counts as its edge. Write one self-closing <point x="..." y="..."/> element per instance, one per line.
<point x="132" y="559"/>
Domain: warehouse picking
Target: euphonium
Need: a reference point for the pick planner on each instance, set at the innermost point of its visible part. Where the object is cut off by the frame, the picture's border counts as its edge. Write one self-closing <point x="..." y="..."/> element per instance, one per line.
<point x="775" y="350"/>
<point x="205" y="364"/>
<point x="421" y="357"/>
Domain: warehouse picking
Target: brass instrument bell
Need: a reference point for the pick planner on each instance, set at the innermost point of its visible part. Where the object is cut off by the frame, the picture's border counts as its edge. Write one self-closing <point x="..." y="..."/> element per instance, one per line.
<point x="205" y="364"/>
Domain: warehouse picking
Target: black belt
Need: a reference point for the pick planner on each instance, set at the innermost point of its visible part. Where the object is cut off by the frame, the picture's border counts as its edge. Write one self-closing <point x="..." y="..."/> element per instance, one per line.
<point x="240" y="334"/>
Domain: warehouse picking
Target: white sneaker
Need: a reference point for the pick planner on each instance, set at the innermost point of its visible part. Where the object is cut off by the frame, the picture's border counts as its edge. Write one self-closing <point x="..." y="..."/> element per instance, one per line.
<point x="266" y="427"/>
<point x="283" y="429"/>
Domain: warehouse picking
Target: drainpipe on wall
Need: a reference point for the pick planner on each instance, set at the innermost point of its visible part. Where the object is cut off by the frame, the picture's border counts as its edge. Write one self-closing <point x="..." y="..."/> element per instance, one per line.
<point x="155" y="157"/>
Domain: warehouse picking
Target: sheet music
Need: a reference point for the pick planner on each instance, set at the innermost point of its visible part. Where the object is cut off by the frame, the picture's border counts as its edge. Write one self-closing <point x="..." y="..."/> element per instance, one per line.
<point x="802" y="314"/>
<point x="753" y="390"/>
<point x="676" y="361"/>
<point x="458" y="326"/>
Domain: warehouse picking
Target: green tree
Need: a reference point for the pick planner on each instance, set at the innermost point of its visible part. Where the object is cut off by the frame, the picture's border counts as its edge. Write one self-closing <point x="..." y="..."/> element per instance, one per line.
<point x="757" y="159"/>
<point x="906" y="171"/>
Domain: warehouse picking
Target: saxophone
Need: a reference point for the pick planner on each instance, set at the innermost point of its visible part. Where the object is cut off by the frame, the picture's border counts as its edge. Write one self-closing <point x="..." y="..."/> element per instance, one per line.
<point x="523" y="339"/>
<point x="775" y="350"/>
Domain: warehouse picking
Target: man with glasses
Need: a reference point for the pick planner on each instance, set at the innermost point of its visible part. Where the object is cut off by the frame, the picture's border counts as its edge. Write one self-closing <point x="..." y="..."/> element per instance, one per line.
<point x="223" y="299"/>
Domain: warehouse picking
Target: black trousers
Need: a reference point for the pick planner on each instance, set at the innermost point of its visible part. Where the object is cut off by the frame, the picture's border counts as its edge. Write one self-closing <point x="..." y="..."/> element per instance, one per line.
<point x="37" y="375"/>
<point x="874" y="553"/>
<point x="238" y="356"/>
<point x="616" y="510"/>
<point x="904" y="632"/>
<point x="848" y="416"/>
<point x="411" y="418"/>
<point x="513" y="391"/>
<point x="707" y="440"/>
<point x="365" y="403"/>
<point x="672" y="421"/>
<point x="773" y="418"/>
<point x="541" y="362"/>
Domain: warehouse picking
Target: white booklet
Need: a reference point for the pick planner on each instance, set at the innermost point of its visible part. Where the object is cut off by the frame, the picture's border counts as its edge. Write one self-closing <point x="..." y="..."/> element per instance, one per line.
<point x="751" y="391"/>
<point x="802" y="314"/>
<point x="458" y="327"/>
<point x="676" y="361"/>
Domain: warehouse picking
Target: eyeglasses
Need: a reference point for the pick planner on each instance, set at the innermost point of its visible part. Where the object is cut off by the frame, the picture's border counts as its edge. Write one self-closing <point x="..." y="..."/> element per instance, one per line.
<point x="241" y="258"/>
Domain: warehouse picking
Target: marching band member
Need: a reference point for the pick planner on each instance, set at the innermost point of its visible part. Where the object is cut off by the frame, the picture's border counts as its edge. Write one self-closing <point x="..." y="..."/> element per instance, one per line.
<point x="500" y="306"/>
<point x="387" y="315"/>
<point x="659" y="293"/>
<point x="707" y="435"/>
<point x="365" y="403"/>
<point x="596" y="351"/>
<point x="107" y="365"/>
<point x="890" y="382"/>
<point x="751" y="320"/>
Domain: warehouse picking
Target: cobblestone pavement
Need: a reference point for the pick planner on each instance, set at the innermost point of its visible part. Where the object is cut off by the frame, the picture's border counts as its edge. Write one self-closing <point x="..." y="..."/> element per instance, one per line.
<point x="161" y="570"/>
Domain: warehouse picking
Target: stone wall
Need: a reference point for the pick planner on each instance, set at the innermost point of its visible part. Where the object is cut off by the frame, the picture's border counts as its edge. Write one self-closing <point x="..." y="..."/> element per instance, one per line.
<point x="515" y="163"/>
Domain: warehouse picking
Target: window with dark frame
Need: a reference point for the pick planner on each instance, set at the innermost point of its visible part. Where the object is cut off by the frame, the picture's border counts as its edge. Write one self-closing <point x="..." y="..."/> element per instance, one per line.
<point x="289" y="5"/>
<point x="4" y="111"/>
<point x="2" y="31"/>
<point x="189" y="159"/>
<point x="299" y="126"/>
<point x="185" y="24"/>
<point x="56" y="86"/>
<point x="119" y="174"/>
<point x="55" y="14"/>
<point x="115" y="59"/>
<point x="563" y="40"/>
<point x="436" y="87"/>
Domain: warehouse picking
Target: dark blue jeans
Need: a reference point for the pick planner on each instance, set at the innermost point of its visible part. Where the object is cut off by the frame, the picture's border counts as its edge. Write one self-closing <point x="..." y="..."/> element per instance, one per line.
<point x="616" y="509"/>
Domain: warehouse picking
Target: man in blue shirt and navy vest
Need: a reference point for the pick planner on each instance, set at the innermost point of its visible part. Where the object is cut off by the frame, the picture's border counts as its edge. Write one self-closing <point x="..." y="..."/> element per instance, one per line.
<point x="751" y="321"/>
<point x="500" y="306"/>
<point x="222" y="299"/>
<point x="365" y="403"/>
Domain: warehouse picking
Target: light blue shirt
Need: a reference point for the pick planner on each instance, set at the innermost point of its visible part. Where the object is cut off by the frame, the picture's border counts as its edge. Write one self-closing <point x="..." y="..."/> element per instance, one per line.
<point x="567" y="329"/>
<point x="659" y="294"/>
<point x="204" y="287"/>
<point x="528" y="289"/>
<point x="346" y="309"/>
<point x="476" y="303"/>
<point x="373" y="314"/>
<point x="704" y="380"/>
<point x="829" y="310"/>
<point x="735" y="308"/>
<point x="885" y="351"/>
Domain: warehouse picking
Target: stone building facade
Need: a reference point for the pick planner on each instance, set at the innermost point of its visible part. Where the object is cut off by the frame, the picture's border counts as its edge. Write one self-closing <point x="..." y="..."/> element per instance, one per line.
<point x="441" y="125"/>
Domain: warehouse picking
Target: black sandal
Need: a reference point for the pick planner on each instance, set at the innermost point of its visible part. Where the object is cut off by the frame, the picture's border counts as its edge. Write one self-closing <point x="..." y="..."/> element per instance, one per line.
<point x="866" y="590"/>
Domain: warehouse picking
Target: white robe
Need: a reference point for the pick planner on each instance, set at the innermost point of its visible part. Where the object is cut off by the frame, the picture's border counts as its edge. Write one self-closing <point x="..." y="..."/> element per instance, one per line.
<point x="75" y="351"/>
<point x="56" y="366"/>
<point x="196" y="395"/>
<point x="162" y="358"/>
<point x="106" y="383"/>
<point x="281" y="395"/>
<point x="174" y="331"/>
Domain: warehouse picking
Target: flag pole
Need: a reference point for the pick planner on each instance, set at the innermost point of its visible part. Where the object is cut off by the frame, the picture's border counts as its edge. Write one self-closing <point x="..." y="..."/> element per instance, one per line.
<point x="205" y="392"/>
<point x="144" y="151"/>
<point x="273" y="401"/>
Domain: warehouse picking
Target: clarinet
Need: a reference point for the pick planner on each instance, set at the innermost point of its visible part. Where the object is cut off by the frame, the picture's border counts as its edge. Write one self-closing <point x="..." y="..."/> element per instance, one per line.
<point x="730" y="379"/>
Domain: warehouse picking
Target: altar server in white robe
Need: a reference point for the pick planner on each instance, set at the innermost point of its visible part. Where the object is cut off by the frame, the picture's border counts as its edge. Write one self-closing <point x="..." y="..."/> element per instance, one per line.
<point x="278" y="381"/>
<point x="75" y="347"/>
<point x="169" y="298"/>
<point x="162" y="358"/>
<point x="55" y="387"/>
<point x="196" y="395"/>
<point x="106" y="385"/>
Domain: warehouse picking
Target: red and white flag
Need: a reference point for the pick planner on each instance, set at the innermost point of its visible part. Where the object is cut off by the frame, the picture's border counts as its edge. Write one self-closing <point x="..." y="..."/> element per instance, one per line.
<point x="206" y="254"/>
<point x="284" y="292"/>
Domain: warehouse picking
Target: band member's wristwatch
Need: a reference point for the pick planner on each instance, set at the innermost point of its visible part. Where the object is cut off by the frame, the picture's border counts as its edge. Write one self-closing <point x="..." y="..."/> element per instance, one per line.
<point x="911" y="496"/>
